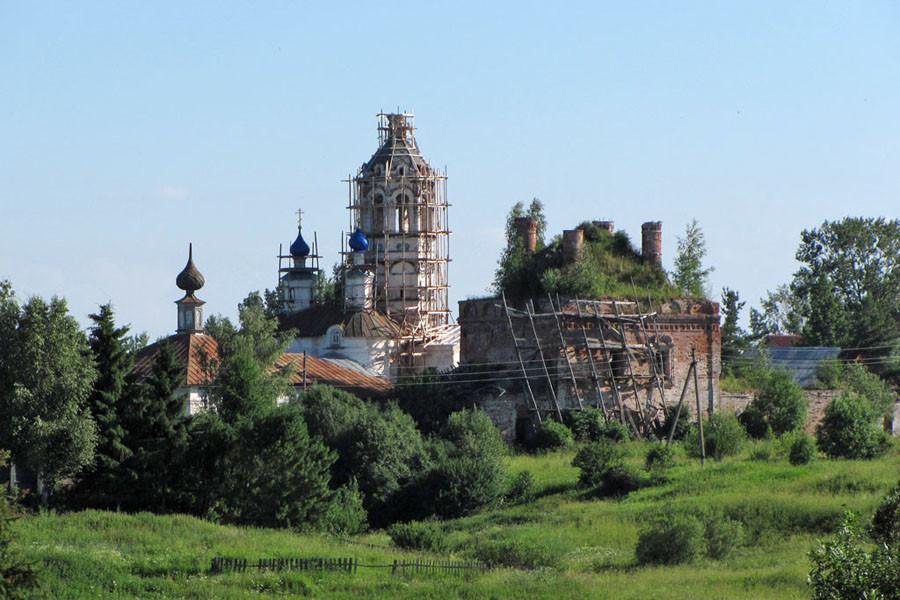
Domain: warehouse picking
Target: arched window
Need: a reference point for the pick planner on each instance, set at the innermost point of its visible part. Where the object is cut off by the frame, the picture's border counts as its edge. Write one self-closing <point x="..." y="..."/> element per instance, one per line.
<point x="335" y="337"/>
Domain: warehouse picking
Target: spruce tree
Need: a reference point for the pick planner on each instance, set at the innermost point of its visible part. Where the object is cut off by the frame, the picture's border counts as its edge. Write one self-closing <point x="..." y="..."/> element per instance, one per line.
<point x="112" y="360"/>
<point x="158" y="433"/>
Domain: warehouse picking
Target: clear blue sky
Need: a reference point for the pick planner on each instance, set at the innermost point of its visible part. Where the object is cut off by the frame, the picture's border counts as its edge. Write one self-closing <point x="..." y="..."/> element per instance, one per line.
<point x="129" y="129"/>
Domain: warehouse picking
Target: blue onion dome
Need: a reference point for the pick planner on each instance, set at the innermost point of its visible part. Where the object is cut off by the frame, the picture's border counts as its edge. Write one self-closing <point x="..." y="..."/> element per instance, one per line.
<point x="299" y="249"/>
<point x="358" y="241"/>
<point x="190" y="280"/>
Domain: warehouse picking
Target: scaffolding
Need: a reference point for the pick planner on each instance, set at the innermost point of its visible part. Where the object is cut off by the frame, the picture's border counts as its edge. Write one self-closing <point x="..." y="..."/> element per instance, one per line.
<point x="398" y="200"/>
<point x="619" y="367"/>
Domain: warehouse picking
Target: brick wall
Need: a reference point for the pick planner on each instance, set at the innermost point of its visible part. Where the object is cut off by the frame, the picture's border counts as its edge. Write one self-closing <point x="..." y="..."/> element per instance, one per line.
<point x="685" y="326"/>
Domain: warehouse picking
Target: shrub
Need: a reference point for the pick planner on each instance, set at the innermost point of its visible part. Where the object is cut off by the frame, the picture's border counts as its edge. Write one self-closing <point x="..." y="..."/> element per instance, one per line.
<point x="586" y="424"/>
<point x="469" y="473"/>
<point x="803" y="450"/>
<point x="779" y="405"/>
<point x="614" y="431"/>
<point x="761" y="451"/>
<point x="885" y="527"/>
<point x="603" y="467"/>
<point x="418" y="535"/>
<point x="521" y="488"/>
<point x="674" y="539"/>
<point x="678" y="537"/>
<point x="682" y="427"/>
<point x="552" y="436"/>
<point x="346" y="515"/>
<point x="723" y="536"/>
<point x="722" y="433"/>
<point x="17" y="577"/>
<point x="846" y="567"/>
<point x="848" y="429"/>
<point x="659" y="457"/>
<point x="515" y="553"/>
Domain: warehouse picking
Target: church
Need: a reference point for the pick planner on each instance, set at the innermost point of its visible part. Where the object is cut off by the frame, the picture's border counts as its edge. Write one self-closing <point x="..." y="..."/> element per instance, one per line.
<point x="389" y="316"/>
<point x="392" y="315"/>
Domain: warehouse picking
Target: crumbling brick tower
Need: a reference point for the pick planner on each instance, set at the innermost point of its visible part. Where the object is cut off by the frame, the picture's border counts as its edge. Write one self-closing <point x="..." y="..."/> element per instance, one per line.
<point x="398" y="200"/>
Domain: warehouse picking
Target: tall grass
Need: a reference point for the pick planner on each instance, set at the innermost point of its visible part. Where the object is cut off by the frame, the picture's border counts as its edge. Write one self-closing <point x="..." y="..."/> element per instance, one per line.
<point x="561" y="545"/>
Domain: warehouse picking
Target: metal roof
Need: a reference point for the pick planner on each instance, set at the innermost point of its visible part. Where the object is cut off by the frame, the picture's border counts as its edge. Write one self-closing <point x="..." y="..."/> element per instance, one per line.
<point x="190" y="350"/>
<point x="315" y="321"/>
<point x="801" y="361"/>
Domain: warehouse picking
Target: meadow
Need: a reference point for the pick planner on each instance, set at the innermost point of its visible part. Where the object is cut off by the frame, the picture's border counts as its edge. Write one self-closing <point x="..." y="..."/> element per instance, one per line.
<point x="560" y="544"/>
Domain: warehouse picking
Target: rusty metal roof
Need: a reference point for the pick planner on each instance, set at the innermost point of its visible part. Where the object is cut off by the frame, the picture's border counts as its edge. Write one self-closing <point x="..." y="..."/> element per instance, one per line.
<point x="190" y="350"/>
<point x="315" y="321"/>
<point x="321" y="370"/>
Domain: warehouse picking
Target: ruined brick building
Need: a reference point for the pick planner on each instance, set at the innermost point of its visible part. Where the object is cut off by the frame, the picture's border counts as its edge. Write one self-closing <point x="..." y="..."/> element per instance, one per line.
<point x="628" y="356"/>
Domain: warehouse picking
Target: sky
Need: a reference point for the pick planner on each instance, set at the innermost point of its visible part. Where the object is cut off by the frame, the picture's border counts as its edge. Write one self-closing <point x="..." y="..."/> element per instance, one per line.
<point x="128" y="130"/>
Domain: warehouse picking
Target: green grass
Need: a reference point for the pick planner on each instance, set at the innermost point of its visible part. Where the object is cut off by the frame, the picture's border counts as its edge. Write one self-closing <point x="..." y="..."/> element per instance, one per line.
<point x="569" y="546"/>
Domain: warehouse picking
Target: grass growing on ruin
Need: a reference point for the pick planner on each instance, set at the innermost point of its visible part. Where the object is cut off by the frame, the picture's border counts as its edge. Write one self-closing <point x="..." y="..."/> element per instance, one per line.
<point x="565" y="545"/>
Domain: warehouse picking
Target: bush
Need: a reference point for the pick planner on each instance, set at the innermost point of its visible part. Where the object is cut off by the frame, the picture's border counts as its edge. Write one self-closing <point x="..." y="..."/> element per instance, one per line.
<point x="603" y="467"/>
<point x="419" y="535"/>
<point x="848" y="429"/>
<point x="469" y="473"/>
<point x="553" y="436"/>
<point x="346" y="515"/>
<point x="677" y="538"/>
<point x="673" y="540"/>
<point x="17" y="577"/>
<point x="779" y="406"/>
<point x="659" y="457"/>
<point x="515" y="554"/>
<point x="723" y="537"/>
<point x="761" y="451"/>
<point x="682" y="427"/>
<point x="847" y="567"/>
<point x="885" y="527"/>
<point x="586" y="424"/>
<point x="521" y="488"/>
<point x="803" y="450"/>
<point x="722" y="433"/>
<point x="614" y="431"/>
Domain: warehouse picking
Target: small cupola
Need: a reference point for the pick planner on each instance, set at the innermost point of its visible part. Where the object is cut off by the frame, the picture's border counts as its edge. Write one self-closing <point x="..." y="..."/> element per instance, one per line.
<point x="190" y="308"/>
<point x="298" y="280"/>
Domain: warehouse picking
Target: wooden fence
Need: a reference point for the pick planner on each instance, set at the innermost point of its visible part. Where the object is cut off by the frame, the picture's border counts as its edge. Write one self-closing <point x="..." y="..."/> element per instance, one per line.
<point x="346" y="565"/>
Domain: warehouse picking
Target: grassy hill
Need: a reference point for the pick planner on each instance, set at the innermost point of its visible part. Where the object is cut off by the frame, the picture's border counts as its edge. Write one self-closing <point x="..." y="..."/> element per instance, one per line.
<point x="566" y="546"/>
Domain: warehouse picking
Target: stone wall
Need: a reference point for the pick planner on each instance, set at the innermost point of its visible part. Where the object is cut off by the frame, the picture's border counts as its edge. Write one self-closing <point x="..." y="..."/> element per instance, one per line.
<point x="818" y="400"/>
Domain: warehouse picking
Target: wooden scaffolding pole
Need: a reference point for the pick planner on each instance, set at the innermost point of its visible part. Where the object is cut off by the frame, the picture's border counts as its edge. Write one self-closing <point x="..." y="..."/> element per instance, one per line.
<point x="628" y="355"/>
<point x="562" y="341"/>
<point x="512" y="332"/>
<point x="529" y="307"/>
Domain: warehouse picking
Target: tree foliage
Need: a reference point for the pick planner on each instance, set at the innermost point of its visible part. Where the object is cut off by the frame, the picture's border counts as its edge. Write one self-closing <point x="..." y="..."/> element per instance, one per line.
<point x="850" y="565"/>
<point x="110" y="350"/>
<point x="845" y="293"/>
<point x="690" y="276"/>
<point x="778" y="407"/>
<point x="18" y="578"/>
<point x="609" y="266"/>
<point x="734" y="339"/>
<point x="850" y="428"/>
<point x="157" y="435"/>
<point x="45" y="380"/>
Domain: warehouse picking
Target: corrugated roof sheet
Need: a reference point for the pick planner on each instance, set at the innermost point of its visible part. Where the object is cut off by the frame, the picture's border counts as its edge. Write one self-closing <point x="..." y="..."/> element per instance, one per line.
<point x="189" y="349"/>
<point x="801" y="361"/>
<point x="315" y="321"/>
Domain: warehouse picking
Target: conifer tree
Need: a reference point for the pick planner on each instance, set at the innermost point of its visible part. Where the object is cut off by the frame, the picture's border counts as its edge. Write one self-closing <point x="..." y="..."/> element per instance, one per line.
<point x="158" y="432"/>
<point x="112" y="360"/>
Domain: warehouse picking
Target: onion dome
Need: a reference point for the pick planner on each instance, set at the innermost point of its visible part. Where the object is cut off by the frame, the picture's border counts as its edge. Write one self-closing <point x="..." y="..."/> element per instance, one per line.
<point x="358" y="241"/>
<point x="190" y="280"/>
<point x="299" y="249"/>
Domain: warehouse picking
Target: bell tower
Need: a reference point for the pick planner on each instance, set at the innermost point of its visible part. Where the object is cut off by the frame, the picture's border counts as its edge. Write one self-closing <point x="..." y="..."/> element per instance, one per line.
<point x="398" y="201"/>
